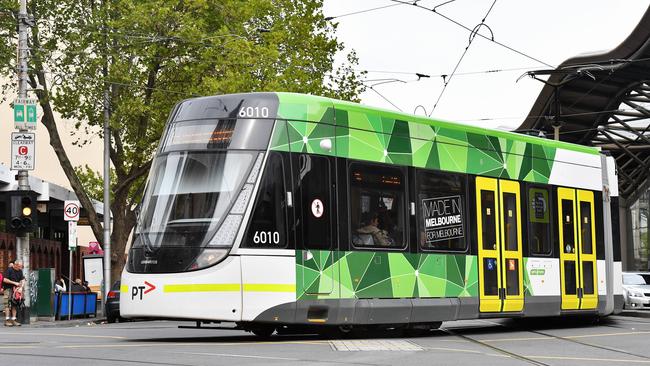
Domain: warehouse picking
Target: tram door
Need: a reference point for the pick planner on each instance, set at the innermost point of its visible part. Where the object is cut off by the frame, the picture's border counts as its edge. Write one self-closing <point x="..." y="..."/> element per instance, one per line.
<point x="314" y="198"/>
<point x="577" y="250"/>
<point x="499" y="245"/>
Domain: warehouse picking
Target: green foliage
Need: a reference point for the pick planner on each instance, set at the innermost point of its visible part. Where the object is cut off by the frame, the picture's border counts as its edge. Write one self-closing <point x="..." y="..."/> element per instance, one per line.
<point x="150" y="54"/>
<point x="153" y="53"/>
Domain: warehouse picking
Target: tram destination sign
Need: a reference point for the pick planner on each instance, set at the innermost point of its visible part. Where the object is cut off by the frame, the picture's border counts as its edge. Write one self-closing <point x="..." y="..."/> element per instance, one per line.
<point x="443" y="218"/>
<point x="22" y="150"/>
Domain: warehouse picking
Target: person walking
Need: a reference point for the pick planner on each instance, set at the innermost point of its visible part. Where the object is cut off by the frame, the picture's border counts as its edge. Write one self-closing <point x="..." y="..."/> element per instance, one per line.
<point x="13" y="281"/>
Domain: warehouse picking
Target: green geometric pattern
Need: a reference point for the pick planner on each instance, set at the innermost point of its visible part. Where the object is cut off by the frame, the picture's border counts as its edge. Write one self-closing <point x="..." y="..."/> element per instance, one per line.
<point x="367" y="274"/>
<point x="382" y="136"/>
<point x="528" y="288"/>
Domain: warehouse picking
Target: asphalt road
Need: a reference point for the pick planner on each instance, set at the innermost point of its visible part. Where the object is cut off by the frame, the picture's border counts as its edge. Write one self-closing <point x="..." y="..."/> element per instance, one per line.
<point x="615" y="341"/>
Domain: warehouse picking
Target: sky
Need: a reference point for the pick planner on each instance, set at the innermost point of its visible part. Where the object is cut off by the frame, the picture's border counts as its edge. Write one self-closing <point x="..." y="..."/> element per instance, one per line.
<point x="405" y="40"/>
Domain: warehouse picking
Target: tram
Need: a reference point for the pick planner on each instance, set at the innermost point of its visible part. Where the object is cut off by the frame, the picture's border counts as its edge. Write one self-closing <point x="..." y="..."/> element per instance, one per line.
<point x="273" y="210"/>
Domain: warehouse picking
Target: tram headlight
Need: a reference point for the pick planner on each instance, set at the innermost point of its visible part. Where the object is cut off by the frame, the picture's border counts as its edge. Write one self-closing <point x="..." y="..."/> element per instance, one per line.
<point x="209" y="257"/>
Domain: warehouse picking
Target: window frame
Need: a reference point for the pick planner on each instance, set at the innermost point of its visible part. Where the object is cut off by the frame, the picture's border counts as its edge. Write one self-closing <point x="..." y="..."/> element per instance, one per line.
<point x="466" y="207"/>
<point x="405" y="209"/>
<point x="289" y="241"/>
<point x="299" y="205"/>
<point x="552" y="212"/>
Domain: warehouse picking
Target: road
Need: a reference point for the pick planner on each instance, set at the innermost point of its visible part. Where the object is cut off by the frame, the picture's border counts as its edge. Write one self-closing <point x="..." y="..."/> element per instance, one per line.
<point x="615" y="341"/>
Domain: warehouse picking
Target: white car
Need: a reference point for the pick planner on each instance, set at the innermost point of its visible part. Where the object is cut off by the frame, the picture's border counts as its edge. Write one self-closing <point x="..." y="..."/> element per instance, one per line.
<point x="637" y="290"/>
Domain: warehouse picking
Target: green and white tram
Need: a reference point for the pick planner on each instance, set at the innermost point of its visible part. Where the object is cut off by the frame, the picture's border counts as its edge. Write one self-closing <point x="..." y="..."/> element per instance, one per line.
<point x="278" y="209"/>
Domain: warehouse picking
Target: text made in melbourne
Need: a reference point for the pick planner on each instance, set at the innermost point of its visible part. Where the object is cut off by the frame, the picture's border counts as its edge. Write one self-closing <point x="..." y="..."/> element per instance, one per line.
<point x="443" y="218"/>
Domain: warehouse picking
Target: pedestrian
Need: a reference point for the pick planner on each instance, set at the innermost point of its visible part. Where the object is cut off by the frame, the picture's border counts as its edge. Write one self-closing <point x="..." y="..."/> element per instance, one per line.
<point x="77" y="286"/>
<point x="13" y="281"/>
<point x="59" y="285"/>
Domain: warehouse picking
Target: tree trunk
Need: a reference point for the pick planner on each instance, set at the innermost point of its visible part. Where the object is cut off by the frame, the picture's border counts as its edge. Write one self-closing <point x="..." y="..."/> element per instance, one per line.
<point x="123" y="222"/>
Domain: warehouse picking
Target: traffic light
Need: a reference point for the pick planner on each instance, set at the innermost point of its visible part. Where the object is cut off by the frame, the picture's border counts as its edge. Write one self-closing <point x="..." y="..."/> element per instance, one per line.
<point x="22" y="215"/>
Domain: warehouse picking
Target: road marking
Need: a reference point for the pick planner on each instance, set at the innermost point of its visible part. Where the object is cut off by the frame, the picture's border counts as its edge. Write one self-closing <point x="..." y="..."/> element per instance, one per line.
<point x="163" y="344"/>
<point x="375" y="345"/>
<point x="588" y="359"/>
<point x="236" y="355"/>
<point x="62" y="335"/>
<point x="516" y="339"/>
<point x="451" y="350"/>
<point x="606" y="334"/>
<point x="557" y="337"/>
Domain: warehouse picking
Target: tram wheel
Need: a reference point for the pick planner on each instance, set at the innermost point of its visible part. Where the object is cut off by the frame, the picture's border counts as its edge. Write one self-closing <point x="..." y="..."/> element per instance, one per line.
<point x="345" y="329"/>
<point x="263" y="331"/>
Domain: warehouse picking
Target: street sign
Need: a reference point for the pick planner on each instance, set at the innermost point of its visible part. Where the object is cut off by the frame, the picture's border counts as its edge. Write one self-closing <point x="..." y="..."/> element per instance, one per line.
<point x="22" y="150"/>
<point x="71" y="211"/>
<point x="72" y="234"/>
<point x="25" y="114"/>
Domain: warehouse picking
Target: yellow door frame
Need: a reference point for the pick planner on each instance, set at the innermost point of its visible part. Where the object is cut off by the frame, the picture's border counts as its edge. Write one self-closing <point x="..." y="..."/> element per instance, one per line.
<point x="579" y="300"/>
<point x="488" y="251"/>
<point x="511" y="260"/>
<point x="588" y="301"/>
<point x="568" y="251"/>
<point x="496" y="253"/>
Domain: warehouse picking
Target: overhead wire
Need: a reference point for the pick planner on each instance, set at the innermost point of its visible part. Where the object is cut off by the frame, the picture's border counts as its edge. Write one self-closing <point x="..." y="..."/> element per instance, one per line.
<point x="362" y="11"/>
<point x="434" y="11"/>
<point x="471" y="39"/>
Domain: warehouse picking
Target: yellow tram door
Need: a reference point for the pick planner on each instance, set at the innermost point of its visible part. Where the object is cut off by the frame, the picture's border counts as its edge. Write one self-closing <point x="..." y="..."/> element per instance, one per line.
<point x="586" y="236"/>
<point x="499" y="244"/>
<point x="577" y="250"/>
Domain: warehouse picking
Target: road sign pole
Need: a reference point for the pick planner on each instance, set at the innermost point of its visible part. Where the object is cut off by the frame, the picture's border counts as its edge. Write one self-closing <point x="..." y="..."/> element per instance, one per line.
<point x="70" y="286"/>
<point x="22" y="244"/>
<point x="107" y="199"/>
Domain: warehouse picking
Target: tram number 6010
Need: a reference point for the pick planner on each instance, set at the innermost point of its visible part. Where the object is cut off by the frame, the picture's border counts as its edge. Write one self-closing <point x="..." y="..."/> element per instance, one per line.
<point x="266" y="237"/>
<point x="254" y="112"/>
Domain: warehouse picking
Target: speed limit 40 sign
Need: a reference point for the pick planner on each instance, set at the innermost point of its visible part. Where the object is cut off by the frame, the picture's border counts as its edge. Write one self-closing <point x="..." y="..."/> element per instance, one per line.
<point x="71" y="210"/>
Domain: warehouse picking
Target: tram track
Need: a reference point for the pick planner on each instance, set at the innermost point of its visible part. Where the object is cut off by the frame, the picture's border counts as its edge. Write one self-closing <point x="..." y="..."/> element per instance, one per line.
<point x="606" y="348"/>
<point x="572" y="340"/>
<point x="494" y="348"/>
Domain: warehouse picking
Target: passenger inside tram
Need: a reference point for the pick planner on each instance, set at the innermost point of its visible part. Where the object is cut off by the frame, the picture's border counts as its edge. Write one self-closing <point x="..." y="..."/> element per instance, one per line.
<point x="371" y="234"/>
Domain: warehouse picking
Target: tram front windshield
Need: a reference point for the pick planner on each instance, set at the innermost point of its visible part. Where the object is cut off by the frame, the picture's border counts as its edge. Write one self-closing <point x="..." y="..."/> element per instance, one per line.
<point x="189" y="195"/>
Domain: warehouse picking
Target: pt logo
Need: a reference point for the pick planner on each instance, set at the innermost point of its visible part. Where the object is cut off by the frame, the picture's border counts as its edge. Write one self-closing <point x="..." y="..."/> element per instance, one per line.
<point x="139" y="291"/>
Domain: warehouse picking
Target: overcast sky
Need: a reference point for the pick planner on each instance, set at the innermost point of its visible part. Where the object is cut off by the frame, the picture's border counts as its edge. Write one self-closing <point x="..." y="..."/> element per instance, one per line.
<point x="408" y="39"/>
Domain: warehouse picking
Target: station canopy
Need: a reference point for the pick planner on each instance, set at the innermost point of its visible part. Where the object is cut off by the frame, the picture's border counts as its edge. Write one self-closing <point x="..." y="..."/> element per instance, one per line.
<point x="603" y="99"/>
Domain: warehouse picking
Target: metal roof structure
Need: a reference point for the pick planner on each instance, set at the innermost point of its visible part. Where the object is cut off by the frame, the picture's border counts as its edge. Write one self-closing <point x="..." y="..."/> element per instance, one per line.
<point x="603" y="100"/>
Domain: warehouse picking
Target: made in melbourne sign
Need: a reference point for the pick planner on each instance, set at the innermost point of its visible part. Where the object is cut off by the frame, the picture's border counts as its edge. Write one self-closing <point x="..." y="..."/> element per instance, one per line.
<point x="443" y="218"/>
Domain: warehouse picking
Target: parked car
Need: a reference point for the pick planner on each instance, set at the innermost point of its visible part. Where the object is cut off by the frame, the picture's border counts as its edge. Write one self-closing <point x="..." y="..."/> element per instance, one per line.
<point x="636" y="290"/>
<point x="112" y="310"/>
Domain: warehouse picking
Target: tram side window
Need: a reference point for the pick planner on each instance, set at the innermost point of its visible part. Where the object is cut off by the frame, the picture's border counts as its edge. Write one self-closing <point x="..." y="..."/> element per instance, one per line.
<point x="441" y="206"/>
<point x="377" y="206"/>
<point x="539" y="221"/>
<point x="267" y="227"/>
<point x="568" y="226"/>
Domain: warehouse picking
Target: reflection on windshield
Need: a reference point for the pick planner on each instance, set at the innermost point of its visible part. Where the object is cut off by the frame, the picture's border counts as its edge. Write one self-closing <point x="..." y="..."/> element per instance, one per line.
<point x="188" y="195"/>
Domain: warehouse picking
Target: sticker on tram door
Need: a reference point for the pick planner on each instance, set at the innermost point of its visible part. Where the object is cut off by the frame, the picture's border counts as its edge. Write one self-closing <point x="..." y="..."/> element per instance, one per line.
<point x="139" y="291"/>
<point x="511" y="265"/>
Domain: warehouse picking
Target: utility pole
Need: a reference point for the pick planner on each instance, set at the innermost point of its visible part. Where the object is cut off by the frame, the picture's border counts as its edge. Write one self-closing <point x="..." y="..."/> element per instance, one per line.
<point x="22" y="240"/>
<point x="107" y="198"/>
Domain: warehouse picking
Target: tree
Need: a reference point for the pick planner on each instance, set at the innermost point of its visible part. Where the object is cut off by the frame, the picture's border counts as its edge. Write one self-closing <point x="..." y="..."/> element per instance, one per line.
<point x="149" y="54"/>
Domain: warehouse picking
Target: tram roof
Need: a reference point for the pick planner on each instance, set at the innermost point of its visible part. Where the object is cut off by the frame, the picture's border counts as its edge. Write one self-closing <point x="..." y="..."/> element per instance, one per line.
<point x="311" y="108"/>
